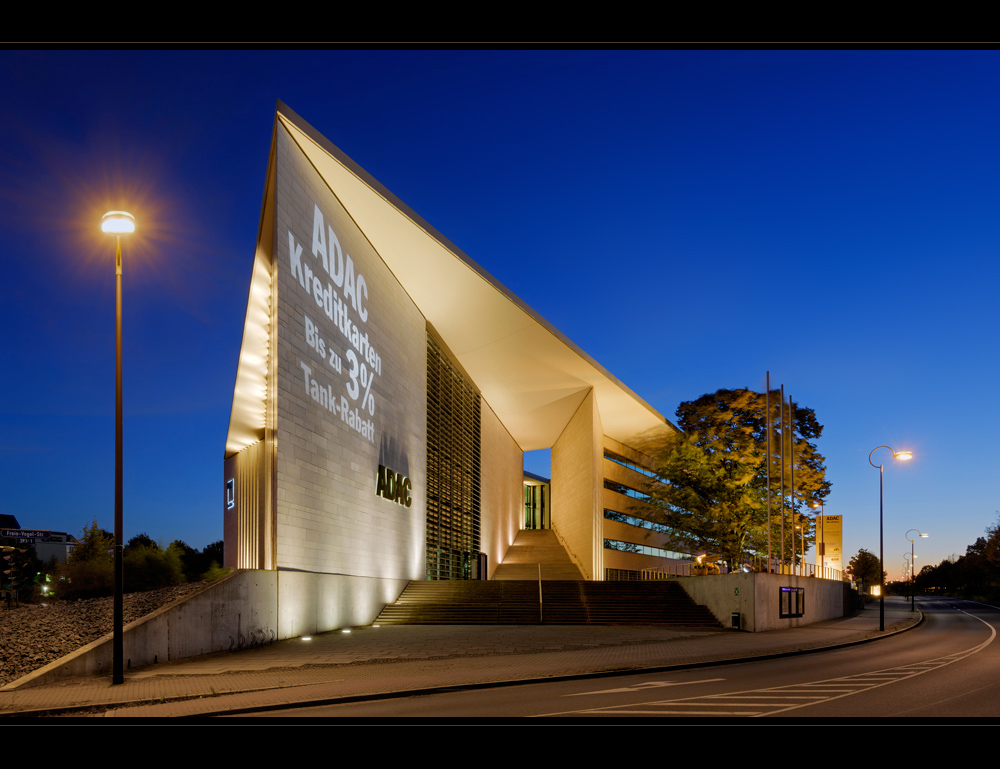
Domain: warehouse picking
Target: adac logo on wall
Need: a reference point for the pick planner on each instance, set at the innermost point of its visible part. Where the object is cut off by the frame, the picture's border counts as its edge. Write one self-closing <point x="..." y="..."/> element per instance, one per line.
<point x="393" y="486"/>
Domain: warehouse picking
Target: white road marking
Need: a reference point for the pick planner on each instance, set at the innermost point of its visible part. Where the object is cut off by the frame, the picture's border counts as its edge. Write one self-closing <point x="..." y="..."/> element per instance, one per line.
<point x="788" y="697"/>
<point x="647" y="685"/>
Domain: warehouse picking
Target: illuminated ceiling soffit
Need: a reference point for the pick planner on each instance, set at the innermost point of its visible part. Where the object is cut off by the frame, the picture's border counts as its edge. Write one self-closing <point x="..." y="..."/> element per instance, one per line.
<point x="248" y="417"/>
<point x="532" y="376"/>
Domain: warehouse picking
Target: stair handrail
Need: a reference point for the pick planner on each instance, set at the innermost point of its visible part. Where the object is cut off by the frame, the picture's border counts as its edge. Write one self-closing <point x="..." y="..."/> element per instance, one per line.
<point x="572" y="556"/>
<point x="541" y="618"/>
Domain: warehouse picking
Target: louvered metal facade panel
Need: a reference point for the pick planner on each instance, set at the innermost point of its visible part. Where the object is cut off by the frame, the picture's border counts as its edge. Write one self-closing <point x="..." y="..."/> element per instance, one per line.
<point x="453" y="469"/>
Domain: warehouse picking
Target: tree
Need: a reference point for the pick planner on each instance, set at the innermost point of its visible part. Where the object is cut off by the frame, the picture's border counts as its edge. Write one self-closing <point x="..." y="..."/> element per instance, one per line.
<point x="864" y="569"/>
<point x="140" y="540"/>
<point x="974" y="575"/>
<point x="215" y="552"/>
<point x="88" y="571"/>
<point x="710" y="489"/>
<point x="193" y="561"/>
<point x="93" y="543"/>
<point x="148" y="567"/>
<point x="992" y="549"/>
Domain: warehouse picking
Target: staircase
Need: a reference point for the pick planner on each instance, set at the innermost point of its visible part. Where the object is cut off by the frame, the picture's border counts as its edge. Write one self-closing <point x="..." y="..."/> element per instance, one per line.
<point x="563" y="602"/>
<point x="532" y="549"/>
<point x="514" y="596"/>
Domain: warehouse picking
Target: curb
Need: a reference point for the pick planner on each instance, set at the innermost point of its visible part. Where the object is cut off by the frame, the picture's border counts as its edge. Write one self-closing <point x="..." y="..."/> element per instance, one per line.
<point x="98" y="709"/>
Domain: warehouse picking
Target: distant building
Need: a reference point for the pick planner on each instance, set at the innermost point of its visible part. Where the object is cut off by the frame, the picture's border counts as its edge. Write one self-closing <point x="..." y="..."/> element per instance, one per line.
<point x="48" y="544"/>
<point x="57" y="545"/>
<point x="9" y="522"/>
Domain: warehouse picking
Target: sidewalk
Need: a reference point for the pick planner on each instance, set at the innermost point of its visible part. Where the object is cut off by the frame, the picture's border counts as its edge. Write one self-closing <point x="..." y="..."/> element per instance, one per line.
<point x="377" y="661"/>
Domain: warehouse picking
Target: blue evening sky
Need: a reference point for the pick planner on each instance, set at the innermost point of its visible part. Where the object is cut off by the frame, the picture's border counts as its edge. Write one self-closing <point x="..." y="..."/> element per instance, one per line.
<point x="690" y="219"/>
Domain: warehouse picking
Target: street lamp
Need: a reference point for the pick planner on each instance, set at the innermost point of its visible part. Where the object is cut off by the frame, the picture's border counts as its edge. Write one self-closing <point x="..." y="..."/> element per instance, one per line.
<point x="902" y="455"/>
<point x="118" y="223"/>
<point x="913" y="568"/>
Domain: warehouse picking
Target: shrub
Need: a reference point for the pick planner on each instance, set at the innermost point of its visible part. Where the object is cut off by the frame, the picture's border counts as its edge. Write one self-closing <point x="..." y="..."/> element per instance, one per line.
<point x="215" y="572"/>
<point x="149" y="567"/>
<point x="89" y="570"/>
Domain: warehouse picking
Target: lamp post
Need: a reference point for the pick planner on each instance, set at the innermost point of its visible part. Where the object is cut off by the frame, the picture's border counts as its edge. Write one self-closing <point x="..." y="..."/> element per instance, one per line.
<point x="902" y="455"/>
<point x="118" y="223"/>
<point x="913" y="568"/>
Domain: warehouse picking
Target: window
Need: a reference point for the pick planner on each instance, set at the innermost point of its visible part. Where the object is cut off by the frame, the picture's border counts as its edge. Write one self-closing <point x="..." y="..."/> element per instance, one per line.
<point x="792" y="602"/>
<point x="618" y="459"/>
<point x="626" y="490"/>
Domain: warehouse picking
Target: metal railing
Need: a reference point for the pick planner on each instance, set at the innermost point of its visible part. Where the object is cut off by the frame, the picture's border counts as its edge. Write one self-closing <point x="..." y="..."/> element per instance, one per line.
<point x="790" y="568"/>
<point x="667" y="571"/>
<point x="642" y="575"/>
<point x="674" y="570"/>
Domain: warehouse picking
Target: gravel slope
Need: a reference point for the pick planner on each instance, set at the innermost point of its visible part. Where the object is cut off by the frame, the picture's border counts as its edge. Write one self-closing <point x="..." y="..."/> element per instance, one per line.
<point x="33" y="636"/>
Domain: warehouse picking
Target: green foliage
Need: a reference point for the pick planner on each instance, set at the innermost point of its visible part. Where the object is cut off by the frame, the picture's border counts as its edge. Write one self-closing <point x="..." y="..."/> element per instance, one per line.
<point x="89" y="569"/>
<point x="864" y="569"/>
<point x="198" y="563"/>
<point x="193" y="562"/>
<point x="215" y="552"/>
<point x="710" y="490"/>
<point x="140" y="540"/>
<point x="214" y="572"/>
<point x="150" y="567"/>
<point x="93" y="544"/>
<point x="973" y="575"/>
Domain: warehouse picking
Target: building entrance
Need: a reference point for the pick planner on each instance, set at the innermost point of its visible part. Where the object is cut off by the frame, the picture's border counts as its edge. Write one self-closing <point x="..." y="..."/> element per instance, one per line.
<point x="536" y="502"/>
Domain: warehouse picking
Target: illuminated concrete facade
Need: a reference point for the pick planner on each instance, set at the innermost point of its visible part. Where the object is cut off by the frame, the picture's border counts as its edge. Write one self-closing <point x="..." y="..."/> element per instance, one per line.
<point x="333" y="458"/>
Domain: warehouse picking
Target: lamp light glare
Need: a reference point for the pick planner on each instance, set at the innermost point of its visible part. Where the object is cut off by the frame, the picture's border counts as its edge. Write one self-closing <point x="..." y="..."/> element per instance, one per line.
<point x="118" y="222"/>
<point x="904" y="455"/>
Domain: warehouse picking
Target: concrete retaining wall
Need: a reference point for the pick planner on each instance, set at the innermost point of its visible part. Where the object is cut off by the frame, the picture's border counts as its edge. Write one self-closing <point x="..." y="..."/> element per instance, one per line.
<point x="756" y="598"/>
<point x="252" y="606"/>
<point x="247" y="606"/>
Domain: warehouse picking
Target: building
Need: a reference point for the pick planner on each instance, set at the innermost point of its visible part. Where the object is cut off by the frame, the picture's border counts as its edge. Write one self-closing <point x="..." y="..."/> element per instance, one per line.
<point x="47" y="544"/>
<point x="387" y="388"/>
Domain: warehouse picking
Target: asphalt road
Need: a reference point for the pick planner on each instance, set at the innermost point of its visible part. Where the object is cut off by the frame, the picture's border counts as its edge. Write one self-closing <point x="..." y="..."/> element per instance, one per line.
<point x="946" y="668"/>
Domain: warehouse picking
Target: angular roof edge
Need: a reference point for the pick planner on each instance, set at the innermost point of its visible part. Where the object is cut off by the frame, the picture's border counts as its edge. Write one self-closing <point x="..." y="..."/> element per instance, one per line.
<point x="464" y="351"/>
<point x="531" y="374"/>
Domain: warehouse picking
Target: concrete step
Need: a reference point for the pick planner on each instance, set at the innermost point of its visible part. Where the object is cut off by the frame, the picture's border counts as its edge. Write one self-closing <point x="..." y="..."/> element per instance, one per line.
<point x="563" y="602"/>
<point x="531" y="549"/>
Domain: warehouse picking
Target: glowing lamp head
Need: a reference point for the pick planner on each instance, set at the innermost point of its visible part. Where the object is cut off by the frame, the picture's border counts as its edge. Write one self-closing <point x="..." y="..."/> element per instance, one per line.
<point x="118" y="223"/>
<point x="904" y="455"/>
